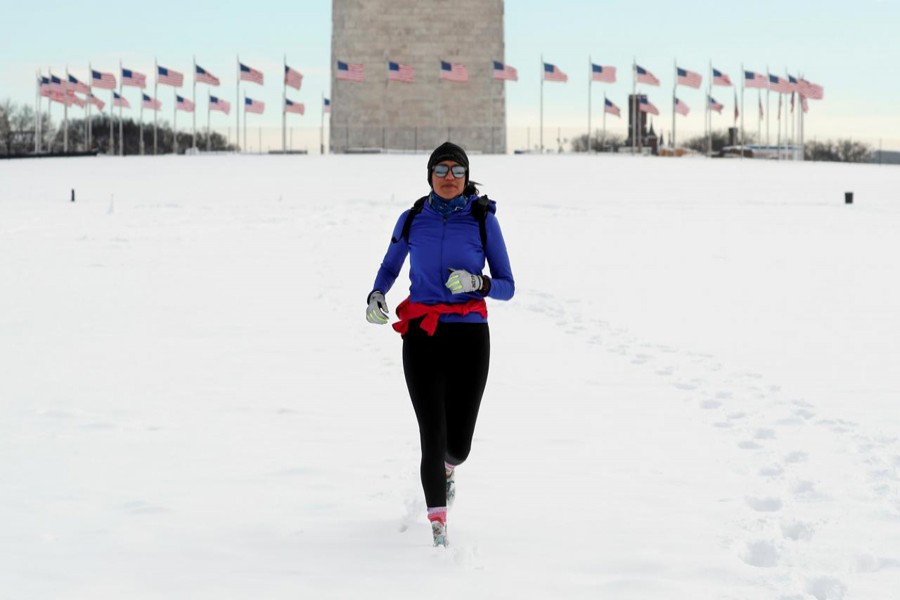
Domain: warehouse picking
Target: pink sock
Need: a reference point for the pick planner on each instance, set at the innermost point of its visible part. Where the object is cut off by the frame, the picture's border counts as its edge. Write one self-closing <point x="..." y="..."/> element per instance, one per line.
<point x="438" y="513"/>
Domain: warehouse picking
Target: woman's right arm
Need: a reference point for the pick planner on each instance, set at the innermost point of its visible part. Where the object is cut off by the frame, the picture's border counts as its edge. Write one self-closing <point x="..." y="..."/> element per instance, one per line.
<point x="393" y="259"/>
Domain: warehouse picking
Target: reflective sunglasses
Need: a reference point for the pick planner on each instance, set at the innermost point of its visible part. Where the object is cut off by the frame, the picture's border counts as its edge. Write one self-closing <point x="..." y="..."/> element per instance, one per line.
<point x="441" y="171"/>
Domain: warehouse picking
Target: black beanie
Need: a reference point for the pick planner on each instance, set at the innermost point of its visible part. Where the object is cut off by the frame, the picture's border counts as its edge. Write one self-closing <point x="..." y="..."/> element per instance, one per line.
<point x="448" y="151"/>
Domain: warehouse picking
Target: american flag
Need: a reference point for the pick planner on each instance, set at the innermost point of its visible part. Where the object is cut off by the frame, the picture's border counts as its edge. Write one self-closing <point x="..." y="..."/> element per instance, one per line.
<point x="45" y="86"/>
<point x="104" y="81"/>
<point x="78" y="86"/>
<point x="761" y="115"/>
<point x="169" y="77"/>
<point x="647" y="106"/>
<point x="294" y="107"/>
<point x="792" y="102"/>
<point x="720" y="78"/>
<point x="56" y="84"/>
<point x="97" y="101"/>
<point x="326" y="105"/>
<point x="254" y="106"/>
<point x="250" y="74"/>
<point x="645" y="76"/>
<point x="755" y="80"/>
<point x="398" y="72"/>
<point x="57" y="96"/>
<point x="119" y="101"/>
<point x="292" y="77"/>
<point x="810" y="90"/>
<point x="454" y="72"/>
<point x="611" y="108"/>
<point x="349" y="71"/>
<point x="183" y="104"/>
<point x="779" y="84"/>
<point x="688" y="78"/>
<point x="201" y="75"/>
<point x="502" y="71"/>
<point x="71" y="98"/>
<point x="737" y="113"/>
<point x="134" y="79"/>
<point x="553" y="73"/>
<point x="713" y="105"/>
<point x="601" y="73"/>
<point x="804" y="104"/>
<point x="150" y="103"/>
<point x="780" y="96"/>
<point x="793" y="83"/>
<point x="681" y="108"/>
<point x="219" y="105"/>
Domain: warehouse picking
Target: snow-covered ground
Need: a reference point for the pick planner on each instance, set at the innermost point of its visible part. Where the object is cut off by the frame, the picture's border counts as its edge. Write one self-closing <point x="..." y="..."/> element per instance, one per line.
<point x="693" y="394"/>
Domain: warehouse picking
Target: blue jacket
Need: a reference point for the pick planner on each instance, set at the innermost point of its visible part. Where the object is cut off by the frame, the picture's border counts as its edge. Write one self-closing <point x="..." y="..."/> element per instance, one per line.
<point x="437" y="244"/>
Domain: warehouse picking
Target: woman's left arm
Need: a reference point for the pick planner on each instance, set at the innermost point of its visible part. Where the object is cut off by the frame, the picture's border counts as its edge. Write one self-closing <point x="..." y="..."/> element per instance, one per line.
<point x="503" y="286"/>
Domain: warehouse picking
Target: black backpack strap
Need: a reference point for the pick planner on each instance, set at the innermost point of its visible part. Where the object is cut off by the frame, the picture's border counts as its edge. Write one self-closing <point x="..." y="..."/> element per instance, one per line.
<point x="417" y="207"/>
<point x="480" y="209"/>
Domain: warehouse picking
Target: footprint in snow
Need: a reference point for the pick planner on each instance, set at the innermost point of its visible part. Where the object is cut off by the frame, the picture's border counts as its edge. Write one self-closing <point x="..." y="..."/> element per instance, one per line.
<point x="826" y="588"/>
<point x="710" y="404"/>
<point x="795" y="457"/>
<point x="771" y="471"/>
<point x="797" y="531"/>
<point x="764" y="434"/>
<point x="684" y="386"/>
<point x="749" y="445"/>
<point x="761" y="553"/>
<point x="765" y="504"/>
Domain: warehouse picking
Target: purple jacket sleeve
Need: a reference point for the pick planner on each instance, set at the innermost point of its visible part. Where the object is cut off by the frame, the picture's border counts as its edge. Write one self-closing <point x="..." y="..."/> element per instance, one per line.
<point x="503" y="286"/>
<point x="393" y="259"/>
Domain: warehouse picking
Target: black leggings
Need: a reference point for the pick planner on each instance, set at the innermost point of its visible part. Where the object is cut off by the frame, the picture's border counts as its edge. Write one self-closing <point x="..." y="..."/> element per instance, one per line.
<point x="445" y="375"/>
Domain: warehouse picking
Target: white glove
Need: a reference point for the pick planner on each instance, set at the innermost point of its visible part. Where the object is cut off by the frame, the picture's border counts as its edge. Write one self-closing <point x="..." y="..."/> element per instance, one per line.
<point x="463" y="282"/>
<point x="377" y="311"/>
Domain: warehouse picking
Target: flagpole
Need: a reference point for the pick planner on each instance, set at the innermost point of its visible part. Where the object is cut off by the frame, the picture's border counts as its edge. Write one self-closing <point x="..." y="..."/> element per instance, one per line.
<point x="237" y="108"/>
<point x="112" y="116"/>
<point x="709" y="111"/>
<point x="194" y="116"/>
<point x="142" y="123"/>
<point x="633" y="116"/>
<point x="674" y="102"/>
<point x="208" y="113"/>
<point x="155" y="97"/>
<point x="37" y="104"/>
<point x="66" y="112"/>
<point x="284" y="108"/>
<point x="175" y="123"/>
<point x="768" y="108"/>
<point x="590" y="88"/>
<point x="542" y="105"/>
<point x="322" y="126"/>
<point x="121" y="139"/>
<point x="493" y="87"/>
<point x="743" y="112"/>
<point x="245" y="122"/>
<point x="603" y="141"/>
<point x="84" y="127"/>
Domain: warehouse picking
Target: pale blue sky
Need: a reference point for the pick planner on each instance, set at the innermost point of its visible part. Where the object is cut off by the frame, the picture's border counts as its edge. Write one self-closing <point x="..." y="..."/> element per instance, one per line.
<point x="849" y="48"/>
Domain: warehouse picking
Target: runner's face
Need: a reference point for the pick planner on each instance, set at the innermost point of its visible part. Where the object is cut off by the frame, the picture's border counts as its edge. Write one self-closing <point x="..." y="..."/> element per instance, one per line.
<point x="448" y="186"/>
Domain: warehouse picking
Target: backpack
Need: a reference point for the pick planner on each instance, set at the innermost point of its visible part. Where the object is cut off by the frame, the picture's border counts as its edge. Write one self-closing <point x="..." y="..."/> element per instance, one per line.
<point x="480" y="209"/>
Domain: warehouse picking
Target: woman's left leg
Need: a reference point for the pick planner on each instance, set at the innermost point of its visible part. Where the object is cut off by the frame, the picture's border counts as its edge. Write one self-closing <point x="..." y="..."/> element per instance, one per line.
<point x="468" y="354"/>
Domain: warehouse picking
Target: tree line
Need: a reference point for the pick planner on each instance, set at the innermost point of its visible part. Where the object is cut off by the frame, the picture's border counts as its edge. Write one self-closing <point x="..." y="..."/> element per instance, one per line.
<point x="17" y="133"/>
<point x="839" y="150"/>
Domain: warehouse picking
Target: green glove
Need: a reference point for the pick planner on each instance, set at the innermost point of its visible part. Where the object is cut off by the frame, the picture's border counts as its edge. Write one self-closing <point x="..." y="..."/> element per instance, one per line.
<point x="463" y="282"/>
<point x="377" y="311"/>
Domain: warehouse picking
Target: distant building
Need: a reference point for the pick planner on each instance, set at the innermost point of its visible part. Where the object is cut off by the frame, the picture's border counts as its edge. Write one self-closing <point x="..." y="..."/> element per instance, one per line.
<point x="646" y="137"/>
<point x="381" y="114"/>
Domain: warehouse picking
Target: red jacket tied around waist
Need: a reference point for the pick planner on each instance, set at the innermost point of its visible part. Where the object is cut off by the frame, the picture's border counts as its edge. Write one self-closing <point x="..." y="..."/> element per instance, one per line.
<point x="408" y="311"/>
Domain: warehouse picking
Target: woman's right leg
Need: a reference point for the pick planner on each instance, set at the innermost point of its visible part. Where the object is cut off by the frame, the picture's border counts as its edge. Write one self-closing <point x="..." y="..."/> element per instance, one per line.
<point x="424" y="369"/>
